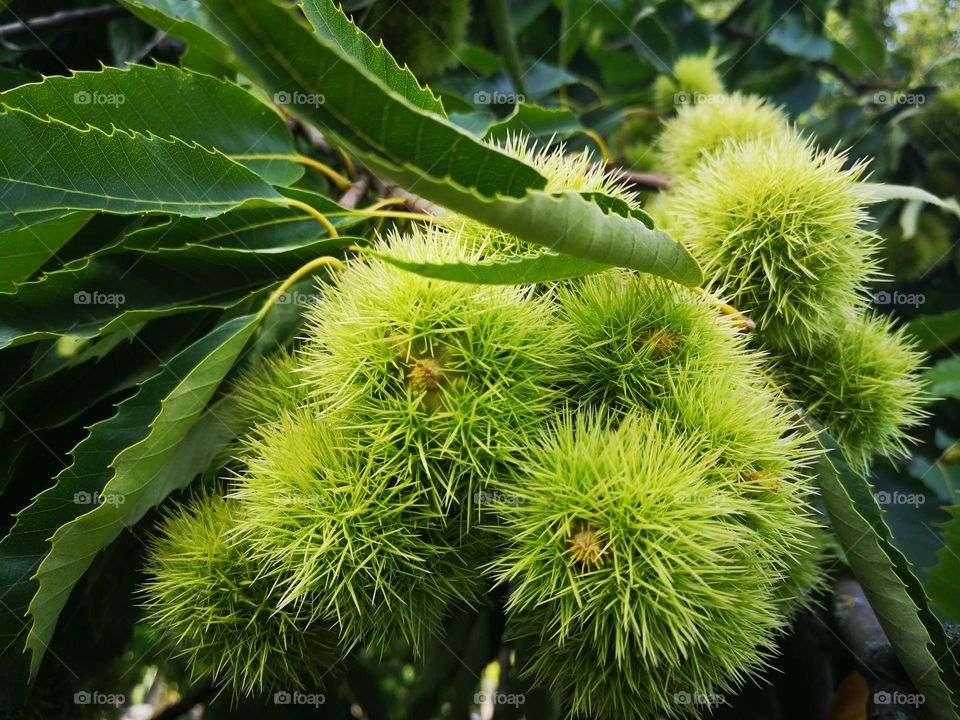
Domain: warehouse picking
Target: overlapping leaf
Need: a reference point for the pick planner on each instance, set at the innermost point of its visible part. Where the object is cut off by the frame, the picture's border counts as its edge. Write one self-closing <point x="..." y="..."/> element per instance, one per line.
<point x="49" y="165"/>
<point x="426" y="153"/>
<point x="894" y="592"/>
<point x="140" y="476"/>
<point x="82" y="484"/>
<point x="102" y="294"/>
<point x="517" y="270"/>
<point x="171" y="103"/>
<point x="24" y="250"/>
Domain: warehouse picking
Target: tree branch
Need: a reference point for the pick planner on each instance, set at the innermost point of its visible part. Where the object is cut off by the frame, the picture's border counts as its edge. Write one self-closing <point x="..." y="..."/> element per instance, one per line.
<point x="61" y="19"/>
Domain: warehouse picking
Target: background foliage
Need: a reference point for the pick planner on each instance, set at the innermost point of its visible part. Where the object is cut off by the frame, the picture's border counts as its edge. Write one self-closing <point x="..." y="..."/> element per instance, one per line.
<point x="108" y="405"/>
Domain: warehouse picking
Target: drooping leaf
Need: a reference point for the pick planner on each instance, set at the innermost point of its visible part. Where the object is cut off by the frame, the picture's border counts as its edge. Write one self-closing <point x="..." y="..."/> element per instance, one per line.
<point x="894" y="592"/>
<point x="77" y="488"/>
<point x="25" y="250"/>
<point x="936" y="331"/>
<point x="517" y="270"/>
<point x="944" y="378"/>
<point x="881" y="192"/>
<point x="536" y="121"/>
<point x="172" y="103"/>
<point x="49" y="165"/>
<point x="98" y="295"/>
<point x="423" y="151"/>
<point x="330" y="22"/>
<point x="140" y="477"/>
<point x="181" y="19"/>
<point x="944" y="578"/>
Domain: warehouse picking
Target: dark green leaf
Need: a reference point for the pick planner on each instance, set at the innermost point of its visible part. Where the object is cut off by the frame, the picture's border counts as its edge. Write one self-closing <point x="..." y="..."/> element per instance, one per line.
<point x="894" y="592"/>
<point x="51" y="165"/>
<point x="171" y="103"/>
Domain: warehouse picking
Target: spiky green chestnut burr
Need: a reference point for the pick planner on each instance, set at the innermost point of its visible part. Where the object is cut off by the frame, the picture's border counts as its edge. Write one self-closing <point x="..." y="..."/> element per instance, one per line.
<point x="627" y="552"/>
<point x="274" y="386"/>
<point x="209" y="599"/>
<point x="862" y="383"/>
<point x="424" y="34"/>
<point x="579" y="173"/>
<point x="699" y="130"/>
<point x="447" y="376"/>
<point x="695" y="77"/>
<point x="349" y="534"/>
<point x="633" y="332"/>
<point x="781" y="227"/>
<point x="645" y="343"/>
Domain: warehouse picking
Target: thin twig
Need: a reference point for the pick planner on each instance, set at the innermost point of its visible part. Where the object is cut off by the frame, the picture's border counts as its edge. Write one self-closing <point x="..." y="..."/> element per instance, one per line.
<point x="413" y="202"/>
<point x="61" y="19"/>
<point x="354" y="194"/>
<point x="654" y="181"/>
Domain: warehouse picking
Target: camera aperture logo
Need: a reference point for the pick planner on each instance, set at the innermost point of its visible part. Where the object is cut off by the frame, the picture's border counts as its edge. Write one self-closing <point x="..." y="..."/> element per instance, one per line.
<point x="85" y="297"/>
<point x="298" y="97"/>
<point x="296" y="697"/>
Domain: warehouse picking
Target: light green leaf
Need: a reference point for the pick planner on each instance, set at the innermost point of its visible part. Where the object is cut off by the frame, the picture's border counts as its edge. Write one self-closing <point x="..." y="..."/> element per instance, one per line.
<point x="143" y="474"/>
<point x="24" y="250"/>
<point x="50" y="165"/>
<point x="894" y="592"/>
<point x="74" y="489"/>
<point x="171" y="103"/>
<point x="422" y="151"/>
<point x="881" y="192"/>
<point x="517" y="270"/>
